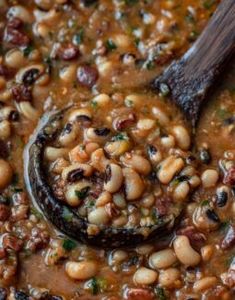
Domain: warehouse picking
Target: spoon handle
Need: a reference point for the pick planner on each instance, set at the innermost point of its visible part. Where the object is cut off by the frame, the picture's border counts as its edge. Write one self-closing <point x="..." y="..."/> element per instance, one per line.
<point x="190" y="78"/>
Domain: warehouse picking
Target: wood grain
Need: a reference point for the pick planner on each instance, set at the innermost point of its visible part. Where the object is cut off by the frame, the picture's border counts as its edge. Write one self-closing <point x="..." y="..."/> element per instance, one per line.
<point x="190" y="78"/>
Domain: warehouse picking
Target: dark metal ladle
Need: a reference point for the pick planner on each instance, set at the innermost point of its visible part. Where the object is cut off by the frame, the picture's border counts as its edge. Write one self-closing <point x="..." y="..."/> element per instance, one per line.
<point x="190" y="78"/>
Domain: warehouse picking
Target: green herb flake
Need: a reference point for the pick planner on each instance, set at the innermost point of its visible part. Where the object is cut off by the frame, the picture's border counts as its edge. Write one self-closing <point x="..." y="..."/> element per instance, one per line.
<point x="222" y="113"/>
<point x="205" y="203"/>
<point x="122" y="136"/>
<point x="78" y="38"/>
<point x="128" y="102"/>
<point x="160" y="293"/>
<point x="110" y="45"/>
<point x="131" y="2"/>
<point x="189" y="18"/>
<point x="193" y="35"/>
<point x="97" y="285"/>
<point x="149" y="65"/>
<point x="27" y="50"/>
<point x="68" y="244"/>
<point x="82" y="194"/>
<point x="94" y="104"/>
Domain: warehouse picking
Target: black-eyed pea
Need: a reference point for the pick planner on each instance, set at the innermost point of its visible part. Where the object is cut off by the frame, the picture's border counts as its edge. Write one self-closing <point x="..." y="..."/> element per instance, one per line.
<point x="5" y="129"/>
<point x="78" y="154"/>
<point x="136" y="162"/>
<point x="168" y="141"/>
<point x="122" y="41"/>
<point x="182" y="137"/>
<point x="169" y="278"/>
<point x="97" y="135"/>
<point x="148" y="201"/>
<point x="98" y="160"/>
<point x="59" y="165"/>
<point x="91" y="147"/>
<point x="184" y="251"/>
<point x="101" y="100"/>
<point x="120" y="221"/>
<point x="119" y="200"/>
<point x="82" y="114"/>
<point x="6" y="173"/>
<point x="48" y="17"/>
<point x="18" y="11"/>
<point x="149" y="18"/>
<point x="204" y="284"/>
<point x="81" y="270"/>
<point x="113" y="178"/>
<point x="145" y="276"/>
<point x="68" y="134"/>
<point x="146" y="124"/>
<point x="162" y="259"/>
<point x="145" y="249"/>
<point x="52" y="153"/>
<point x="194" y="181"/>
<point x="154" y="154"/>
<point x="161" y="116"/>
<point x="169" y="167"/>
<point x="209" y="178"/>
<point x="181" y="191"/>
<point x="105" y="67"/>
<point x="104" y="198"/>
<point x="76" y="192"/>
<point x="117" y="257"/>
<point x="207" y="252"/>
<point x="41" y="30"/>
<point x="134" y="185"/>
<point x="98" y="216"/>
<point x="134" y="100"/>
<point x="76" y="172"/>
<point x="28" y="111"/>
<point x="29" y="74"/>
<point x="68" y="73"/>
<point x="5" y="95"/>
<point x="14" y="58"/>
<point x="117" y="148"/>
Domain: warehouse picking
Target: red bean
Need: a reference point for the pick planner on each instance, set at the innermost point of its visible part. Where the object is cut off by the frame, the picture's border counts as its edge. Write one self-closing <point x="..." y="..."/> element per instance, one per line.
<point x="87" y="76"/>
<point x="21" y="93"/>
<point x="14" y="35"/>
<point x="139" y="294"/>
<point x="229" y="177"/>
<point x="68" y="52"/>
<point x="12" y="242"/>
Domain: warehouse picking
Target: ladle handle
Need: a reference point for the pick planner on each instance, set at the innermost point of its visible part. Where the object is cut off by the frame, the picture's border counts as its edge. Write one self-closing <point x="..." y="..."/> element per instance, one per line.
<point x="190" y="78"/>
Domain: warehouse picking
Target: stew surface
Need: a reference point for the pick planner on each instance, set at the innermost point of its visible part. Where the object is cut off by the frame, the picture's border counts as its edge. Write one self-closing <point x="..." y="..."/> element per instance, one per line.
<point x="124" y="157"/>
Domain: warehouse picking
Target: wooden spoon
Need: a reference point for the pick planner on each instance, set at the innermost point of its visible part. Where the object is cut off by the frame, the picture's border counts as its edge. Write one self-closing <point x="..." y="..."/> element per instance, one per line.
<point x="190" y="78"/>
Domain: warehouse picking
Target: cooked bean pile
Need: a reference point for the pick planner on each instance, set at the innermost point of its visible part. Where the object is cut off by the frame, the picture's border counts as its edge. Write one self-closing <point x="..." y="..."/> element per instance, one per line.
<point x="124" y="157"/>
<point x="129" y="168"/>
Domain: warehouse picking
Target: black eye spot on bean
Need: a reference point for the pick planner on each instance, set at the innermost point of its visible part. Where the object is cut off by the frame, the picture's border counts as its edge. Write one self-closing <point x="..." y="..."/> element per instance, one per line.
<point x="205" y="156"/>
<point x="67" y="129"/>
<point x="75" y="175"/>
<point x="104" y="131"/>
<point x="14" y="116"/>
<point x="221" y="198"/>
<point x="151" y="150"/>
<point x="30" y="76"/>
<point x="108" y="173"/>
<point x="211" y="214"/>
<point x="19" y="295"/>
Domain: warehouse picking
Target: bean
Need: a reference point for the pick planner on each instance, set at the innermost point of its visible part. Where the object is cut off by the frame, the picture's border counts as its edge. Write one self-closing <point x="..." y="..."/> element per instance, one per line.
<point x="134" y="186"/>
<point x="52" y="153"/>
<point x="162" y="259"/>
<point x="119" y="200"/>
<point x="122" y="40"/>
<point x="145" y="276"/>
<point x="75" y="193"/>
<point x="99" y="160"/>
<point x="5" y="129"/>
<point x="68" y="73"/>
<point x="204" y="284"/>
<point x="68" y="134"/>
<point x="29" y="74"/>
<point x="117" y="148"/>
<point x="118" y="256"/>
<point x="144" y="249"/>
<point x="21" y="13"/>
<point x="207" y="252"/>
<point x="114" y="178"/>
<point x="182" y="137"/>
<point x="181" y="191"/>
<point x="76" y="172"/>
<point x="28" y="111"/>
<point x="104" y="198"/>
<point x="80" y="114"/>
<point x="6" y="173"/>
<point x="81" y="270"/>
<point x="98" y="216"/>
<point x="194" y="181"/>
<point x="105" y="68"/>
<point x="134" y="100"/>
<point x="101" y="100"/>
<point x="148" y="201"/>
<point x="14" y="58"/>
<point x="209" y="178"/>
<point x="169" y="278"/>
<point x="184" y="251"/>
<point x="168" y="141"/>
<point x="154" y="154"/>
<point x="120" y="221"/>
<point x="146" y="124"/>
<point x="78" y="154"/>
<point x="97" y="135"/>
<point x="87" y="76"/>
<point x="162" y="117"/>
<point x="47" y="16"/>
<point x="136" y="162"/>
<point x="169" y="167"/>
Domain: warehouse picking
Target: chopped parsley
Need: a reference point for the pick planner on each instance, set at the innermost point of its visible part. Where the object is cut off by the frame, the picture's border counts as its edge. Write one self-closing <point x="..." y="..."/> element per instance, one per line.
<point x="122" y="136"/>
<point x="82" y="194"/>
<point x="110" y="45"/>
<point x="35" y="212"/>
<point x="160" y="293"/>
<point x="208" y="4"/>
<point x="131" y="2"/>
<point x="67" y="215"/>
<point x="97" y="285"/>
<point x="78" y="38"/>
<point x="68" y="244"/>
<point x="27" y="50"/>
<point x="128" y="102"/>
<point x="94" y="104"/>
<point x="205" y="203"/>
